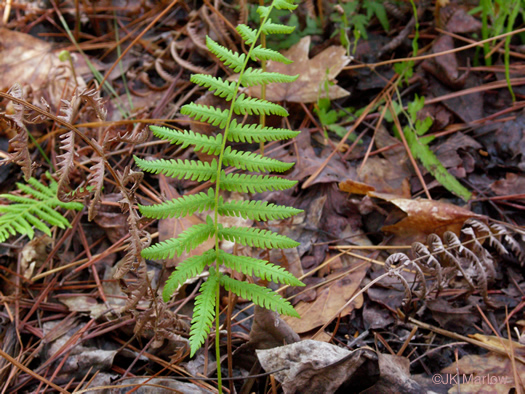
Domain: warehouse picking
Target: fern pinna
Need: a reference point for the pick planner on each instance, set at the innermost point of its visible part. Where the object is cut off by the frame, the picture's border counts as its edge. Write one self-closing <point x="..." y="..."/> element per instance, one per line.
<point x="206" y="303"/>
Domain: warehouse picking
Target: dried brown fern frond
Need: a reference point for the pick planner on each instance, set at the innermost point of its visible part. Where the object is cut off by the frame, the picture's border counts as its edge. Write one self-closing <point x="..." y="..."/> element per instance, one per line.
<point x="66" y="161"/>
<point x="468" y="259"/>
<point x="19" y="143"/>
<point x="198" y="38"/>
<point x="96" y="103"/>
<point x="394" y="270"/>
<point x="160" y="323"/>
<point x="133" y="261"/>
<point x="95" y="180"/>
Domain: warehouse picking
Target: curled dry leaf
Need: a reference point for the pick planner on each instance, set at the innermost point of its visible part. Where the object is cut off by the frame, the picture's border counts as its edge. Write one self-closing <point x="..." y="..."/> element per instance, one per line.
<point x="424" y="217"/>
<point x="269" y="330"/>
<point x="312" y="366"/>
<point x="314" y="75"/>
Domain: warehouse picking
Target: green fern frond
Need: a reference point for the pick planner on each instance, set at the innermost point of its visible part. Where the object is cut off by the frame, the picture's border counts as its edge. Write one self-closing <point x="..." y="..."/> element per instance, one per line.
<point x="218" y="86"/>
<point x="180" y="207"/>
<point x="37" y="210"/>
<point x="257" y="210"/>
<point x="189" y="268"/>
<point x="269" y="54"/>
<point x="256" y="77"/>
<point x="260" y="268"/>
<point x="186" y="241"/>
<point x="275" y="28"/>
<point x="259" y="295"/>
<point x="253" y="161"/>
<point x="207" y="144"/>
<point x="250" y="236"/>
<point x="232" y="131"/>
<point x="204" y="312"/>
<point x="247" y="33"/>
<point x="231" y="59"/>
<point x="257" y="133"/>
<point x="211" y="115"/>
<point x="244" y="183"/>
<point x="180" y="169"/>
<point x="251" y="105"/>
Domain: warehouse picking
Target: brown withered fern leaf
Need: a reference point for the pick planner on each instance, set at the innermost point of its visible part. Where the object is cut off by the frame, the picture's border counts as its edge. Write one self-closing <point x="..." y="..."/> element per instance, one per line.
<point x="137" y="135"/>
<point x="66" y="161"/>
<point x="198" y="39"/>
<point x="133" y="262"/>
<point x="19" y="143"/>
<point x="162" y="324"/>
<point x="95" y="180"/>
<point x="470" y="259"/>
<point x="96" y="103"/>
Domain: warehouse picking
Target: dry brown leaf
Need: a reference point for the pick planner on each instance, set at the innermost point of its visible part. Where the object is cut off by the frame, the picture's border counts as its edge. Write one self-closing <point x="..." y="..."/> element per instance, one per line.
<point x="269" y="330"/>
<point x="512" y="184"/>
<point x="501" y="343"/>
<point x="394" y="376"/>
<point x="313" y="73"/>
<point x="313" y="366"/>
<point x="488" y="373"/>
<point x="424" y="217"/>
<point x="354" y="187"/>
<point x="388" y="174"/>
<point x="30" y="61"/>
<point x="330" y="298"/>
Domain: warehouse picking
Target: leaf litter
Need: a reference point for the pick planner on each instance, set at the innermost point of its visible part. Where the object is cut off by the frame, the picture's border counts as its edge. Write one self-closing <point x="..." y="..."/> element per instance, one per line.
<point x="98" y="320"/>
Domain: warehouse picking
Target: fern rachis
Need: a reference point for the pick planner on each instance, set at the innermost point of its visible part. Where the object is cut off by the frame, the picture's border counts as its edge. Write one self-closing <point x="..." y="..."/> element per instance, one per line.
<point x="206" y="303"/>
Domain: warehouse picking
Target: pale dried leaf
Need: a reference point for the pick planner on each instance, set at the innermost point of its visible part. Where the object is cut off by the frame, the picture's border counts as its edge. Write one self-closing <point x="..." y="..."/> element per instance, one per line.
<point x="313" y="75"/>
<point x="312" y="366"/>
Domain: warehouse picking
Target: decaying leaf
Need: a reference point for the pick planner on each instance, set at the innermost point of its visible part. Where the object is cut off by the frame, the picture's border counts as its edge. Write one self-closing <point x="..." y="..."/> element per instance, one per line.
<point x="394" y="376"/>
<point x="33" y="255"/>
<point x="330" y="298"/>
<point x="82" y="358"/>
<point x="313" y="366"/>
<point x="355" y="187"/>
<point x="29" y="61"/>
<point x="512" y="184"/>
<point x="424" y="217"/>
<point x="269" y="330"/>
<point x="316" y="75"/>
<point x="488" y="373"/>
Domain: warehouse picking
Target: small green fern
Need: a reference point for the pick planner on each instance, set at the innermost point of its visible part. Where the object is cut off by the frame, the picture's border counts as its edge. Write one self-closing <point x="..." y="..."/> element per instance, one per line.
<point x="37" y="209"/>
<point x="206" y="304"/>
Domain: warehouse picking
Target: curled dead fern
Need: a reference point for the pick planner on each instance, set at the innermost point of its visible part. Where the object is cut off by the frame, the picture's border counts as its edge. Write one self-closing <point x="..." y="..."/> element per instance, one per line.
<point x="470" y="259"/>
